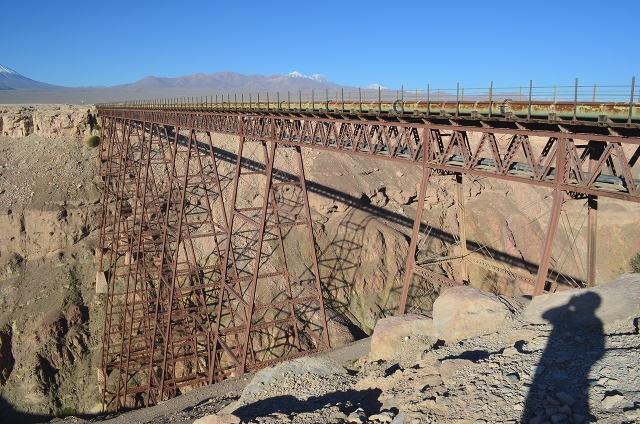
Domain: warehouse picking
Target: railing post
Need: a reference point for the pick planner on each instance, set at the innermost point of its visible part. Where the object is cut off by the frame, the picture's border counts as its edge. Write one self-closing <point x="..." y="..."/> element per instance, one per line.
<point x="594" y="93"/>
<point x="457" y="99"/>
<point x="530" y="93"/>
<point x="633" y="87"/>
<point x="428" y="99"/>
<point x="379" y="100"/>
<point x="490" y="97"/>
<point x="360" y="98"/>
<point x="575" y="101"/>
<point x="554" y="93"/>
<point x="402" y="97"/>
<point x="343" y="100"/>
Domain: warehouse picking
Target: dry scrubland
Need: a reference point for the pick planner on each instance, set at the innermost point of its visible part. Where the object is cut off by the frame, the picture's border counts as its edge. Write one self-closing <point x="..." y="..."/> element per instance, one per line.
<point x="51" y="317"/>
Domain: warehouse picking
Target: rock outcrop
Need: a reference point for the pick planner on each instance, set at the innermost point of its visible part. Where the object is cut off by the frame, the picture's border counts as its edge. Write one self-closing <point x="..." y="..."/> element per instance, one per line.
<point x="390" y="332"/>
<point x="463" y="312"/>
<point x="51" y="121"/>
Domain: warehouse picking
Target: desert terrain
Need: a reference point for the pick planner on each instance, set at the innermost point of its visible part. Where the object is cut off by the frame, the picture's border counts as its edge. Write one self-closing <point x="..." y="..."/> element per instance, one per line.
<point x="51" y="316"/>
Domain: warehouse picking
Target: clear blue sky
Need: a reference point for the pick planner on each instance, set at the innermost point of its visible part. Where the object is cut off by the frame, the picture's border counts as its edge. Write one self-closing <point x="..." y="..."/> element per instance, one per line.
<point x="90" y="43"/>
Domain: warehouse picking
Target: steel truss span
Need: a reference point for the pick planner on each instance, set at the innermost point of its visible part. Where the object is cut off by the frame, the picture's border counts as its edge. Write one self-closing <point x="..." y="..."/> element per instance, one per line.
<point x="186" y="273"/>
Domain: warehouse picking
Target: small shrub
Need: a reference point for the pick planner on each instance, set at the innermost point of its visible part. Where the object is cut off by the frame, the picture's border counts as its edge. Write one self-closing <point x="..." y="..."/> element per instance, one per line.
<point x="93" y="141"/>
<point x="66" y="412"/>
<point x="96" y="127"/>
<point x="635" y="263"/>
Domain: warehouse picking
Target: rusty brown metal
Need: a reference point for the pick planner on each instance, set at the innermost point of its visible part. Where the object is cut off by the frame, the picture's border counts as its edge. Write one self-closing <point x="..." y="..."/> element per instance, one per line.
<point x="187" y="277"/>
<point x="464" y="273"/>
<point x="162" y="210"/>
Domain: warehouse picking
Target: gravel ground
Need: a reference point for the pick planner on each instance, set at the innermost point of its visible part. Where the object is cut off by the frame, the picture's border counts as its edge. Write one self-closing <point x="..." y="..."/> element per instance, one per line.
<point x="523" y="373"/>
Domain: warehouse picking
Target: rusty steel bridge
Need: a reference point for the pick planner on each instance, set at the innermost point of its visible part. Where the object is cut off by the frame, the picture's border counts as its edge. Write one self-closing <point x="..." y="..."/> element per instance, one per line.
<point x="185" y="262"/>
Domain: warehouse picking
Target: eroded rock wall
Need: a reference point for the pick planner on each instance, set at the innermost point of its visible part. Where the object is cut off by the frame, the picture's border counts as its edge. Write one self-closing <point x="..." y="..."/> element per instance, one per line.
<point x="51" y="121"/>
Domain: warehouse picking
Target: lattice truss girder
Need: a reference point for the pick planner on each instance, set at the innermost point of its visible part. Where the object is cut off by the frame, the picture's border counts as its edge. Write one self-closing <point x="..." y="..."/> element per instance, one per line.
<point x="598" y="164"/>
<point x="185" y="307"/>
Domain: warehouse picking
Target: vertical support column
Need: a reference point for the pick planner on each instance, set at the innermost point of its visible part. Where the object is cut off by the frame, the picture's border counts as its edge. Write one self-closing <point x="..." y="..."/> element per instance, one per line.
<point x="596" y="149"/>
<point x="461" y="225"/>
<point x="592" y="205"/>
<point x="558" y="199"/>
<point x="314" y="257"/>
<point x="256" y="264"/>
<point x="411" y="257"/>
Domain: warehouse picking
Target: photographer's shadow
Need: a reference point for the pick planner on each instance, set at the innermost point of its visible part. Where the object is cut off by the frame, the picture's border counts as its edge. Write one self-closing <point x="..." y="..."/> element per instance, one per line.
<point x="561" y="383"/>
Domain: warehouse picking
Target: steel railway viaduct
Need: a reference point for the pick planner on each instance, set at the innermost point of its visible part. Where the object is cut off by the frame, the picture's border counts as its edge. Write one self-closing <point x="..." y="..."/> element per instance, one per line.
<point x="186" y="262"/>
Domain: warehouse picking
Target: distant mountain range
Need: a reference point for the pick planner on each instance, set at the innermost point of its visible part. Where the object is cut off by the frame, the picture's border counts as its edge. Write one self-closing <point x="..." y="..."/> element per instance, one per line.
<point x="11" y="80"/>
<point x="233" y="80"/>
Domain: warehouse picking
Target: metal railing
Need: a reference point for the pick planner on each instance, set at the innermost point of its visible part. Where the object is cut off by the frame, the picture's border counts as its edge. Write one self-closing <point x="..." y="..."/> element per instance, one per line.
<point x="604" y="103"/>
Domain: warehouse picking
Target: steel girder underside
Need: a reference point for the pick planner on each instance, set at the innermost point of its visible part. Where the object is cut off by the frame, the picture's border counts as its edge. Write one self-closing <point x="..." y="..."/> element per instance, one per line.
<point x="186" y="277"/>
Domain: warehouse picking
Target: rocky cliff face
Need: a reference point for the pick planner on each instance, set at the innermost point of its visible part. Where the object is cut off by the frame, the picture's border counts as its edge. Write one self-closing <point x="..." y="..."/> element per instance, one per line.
<point x="51" y="121"/>
<point x="50" y="316"/>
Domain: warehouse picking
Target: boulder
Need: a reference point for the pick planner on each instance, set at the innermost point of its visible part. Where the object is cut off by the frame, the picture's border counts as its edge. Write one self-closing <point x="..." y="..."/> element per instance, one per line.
<point x="390" y="332"/>
<point x="463" y="312"/>
<point x="611" y="307"/>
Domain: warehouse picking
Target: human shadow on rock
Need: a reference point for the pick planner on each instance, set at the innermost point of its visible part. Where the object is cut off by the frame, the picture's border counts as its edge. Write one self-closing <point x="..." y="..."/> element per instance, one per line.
<point x="8" y="414"/>
<point x="561" y="382"/>
<point x="347" y="401"/>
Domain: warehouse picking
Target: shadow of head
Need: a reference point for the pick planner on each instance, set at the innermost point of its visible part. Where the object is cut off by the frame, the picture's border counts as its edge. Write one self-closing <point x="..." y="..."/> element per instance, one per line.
<point x="580" y="310"/>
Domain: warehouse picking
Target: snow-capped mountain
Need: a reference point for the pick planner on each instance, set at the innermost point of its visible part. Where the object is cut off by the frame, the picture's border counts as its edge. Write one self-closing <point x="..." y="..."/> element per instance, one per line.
<point x="375" y="87"/>
<point x="11" y="80"/>
<point x="315" y="77"/>
<point x="6" y="71"/>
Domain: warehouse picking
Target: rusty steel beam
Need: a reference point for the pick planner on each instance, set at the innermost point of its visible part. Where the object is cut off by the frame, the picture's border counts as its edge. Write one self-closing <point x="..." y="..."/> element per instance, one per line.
<point x="406" y="142"/>
<point x="462" y="228"/>
<point x="296" y="316"/>
<point x="159" y="209"/>
<point x="174" y="320"/>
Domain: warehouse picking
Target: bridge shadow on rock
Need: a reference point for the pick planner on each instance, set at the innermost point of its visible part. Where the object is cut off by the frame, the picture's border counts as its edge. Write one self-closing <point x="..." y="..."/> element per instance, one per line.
<point x="378" y="211"/>
<point x="561" y="382"/>
<point x="343" y="401"/>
